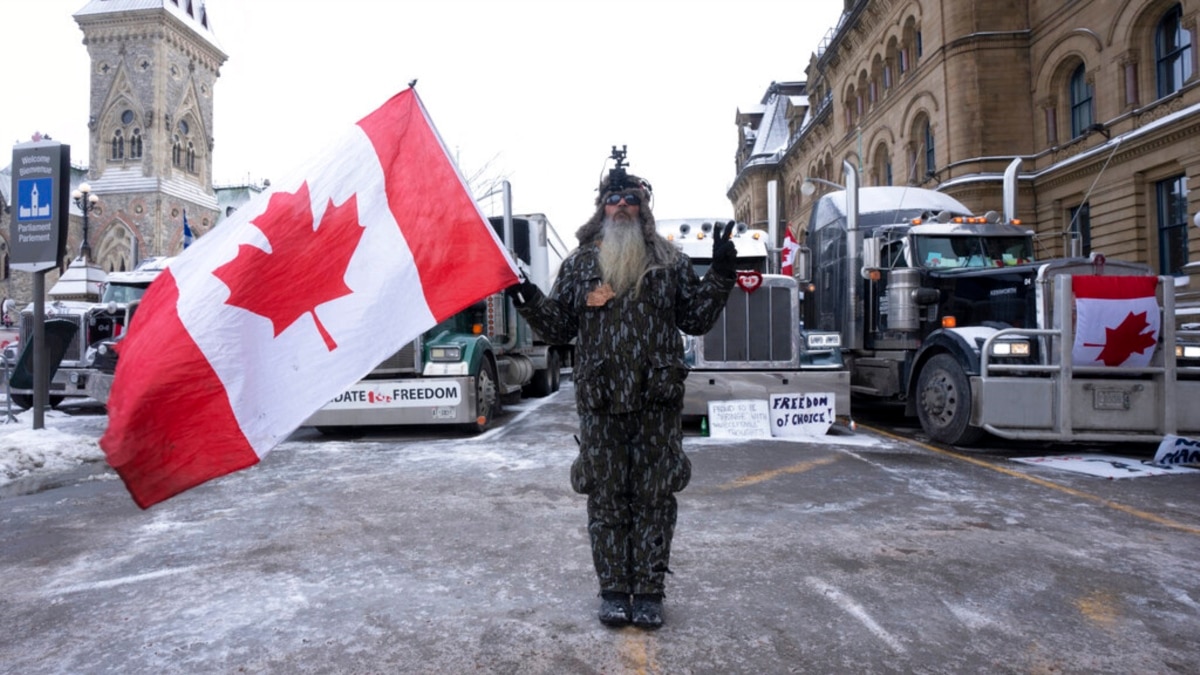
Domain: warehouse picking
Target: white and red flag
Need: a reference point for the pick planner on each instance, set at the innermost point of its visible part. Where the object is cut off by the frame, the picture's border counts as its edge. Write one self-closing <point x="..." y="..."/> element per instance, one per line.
<point x="1117" y="320"/>
<point x="789" y="253"/>
<point x="297" y="296"/>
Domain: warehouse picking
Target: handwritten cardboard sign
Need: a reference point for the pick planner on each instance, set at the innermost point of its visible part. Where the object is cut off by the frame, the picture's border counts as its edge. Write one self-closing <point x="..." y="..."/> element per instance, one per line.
<point x="802" y="414"/>
<point x="740" y="420"/>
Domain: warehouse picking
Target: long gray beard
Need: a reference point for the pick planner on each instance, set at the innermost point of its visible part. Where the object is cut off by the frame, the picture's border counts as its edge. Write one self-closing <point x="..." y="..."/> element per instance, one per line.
<point x="622" y="254"/>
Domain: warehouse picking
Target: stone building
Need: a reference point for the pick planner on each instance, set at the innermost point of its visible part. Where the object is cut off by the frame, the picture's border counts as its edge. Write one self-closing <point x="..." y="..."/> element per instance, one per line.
<point x="154" y="65"/>
<point x="1100" y="99"/>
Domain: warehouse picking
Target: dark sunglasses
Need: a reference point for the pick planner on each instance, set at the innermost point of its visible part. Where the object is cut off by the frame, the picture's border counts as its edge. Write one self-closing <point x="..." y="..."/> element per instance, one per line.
<point x="614" y="199"/>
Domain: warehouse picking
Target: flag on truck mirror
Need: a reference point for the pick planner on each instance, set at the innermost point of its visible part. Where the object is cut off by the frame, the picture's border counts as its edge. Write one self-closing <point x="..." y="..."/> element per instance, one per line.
<point x="789" y="253"/>
<point x="251" y="330"/>
<point x="1117" y="320"/>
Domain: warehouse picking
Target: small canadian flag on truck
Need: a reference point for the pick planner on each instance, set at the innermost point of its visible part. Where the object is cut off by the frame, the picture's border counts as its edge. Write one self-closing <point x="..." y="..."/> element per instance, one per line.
<point x="1117" y="321"/>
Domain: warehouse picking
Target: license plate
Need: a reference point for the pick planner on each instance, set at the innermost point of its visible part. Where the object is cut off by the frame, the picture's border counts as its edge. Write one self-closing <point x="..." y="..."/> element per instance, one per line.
<point x="443" y="413"/>
<point x="1111" y="399"/>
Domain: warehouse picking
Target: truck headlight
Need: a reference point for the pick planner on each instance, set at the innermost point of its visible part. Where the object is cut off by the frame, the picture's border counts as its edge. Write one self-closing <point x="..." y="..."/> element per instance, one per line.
<point x="445" y="353"/>
<point x="824" y="340"/>
<point x="1187" y="351"/>
<point x="1010" y="348"/>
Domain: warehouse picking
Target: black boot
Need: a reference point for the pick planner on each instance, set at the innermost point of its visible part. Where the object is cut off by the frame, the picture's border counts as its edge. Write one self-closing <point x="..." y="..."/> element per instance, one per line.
<point x="648" y="610"/>
<point x="614" y="608"/>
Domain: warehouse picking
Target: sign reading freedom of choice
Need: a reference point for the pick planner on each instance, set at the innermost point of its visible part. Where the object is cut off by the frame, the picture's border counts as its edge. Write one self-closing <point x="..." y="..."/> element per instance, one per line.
<point x="785" y="415"/>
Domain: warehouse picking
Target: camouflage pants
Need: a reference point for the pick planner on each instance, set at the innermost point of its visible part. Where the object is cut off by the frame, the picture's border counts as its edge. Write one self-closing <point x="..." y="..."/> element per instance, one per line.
<point x="630" y="466"/>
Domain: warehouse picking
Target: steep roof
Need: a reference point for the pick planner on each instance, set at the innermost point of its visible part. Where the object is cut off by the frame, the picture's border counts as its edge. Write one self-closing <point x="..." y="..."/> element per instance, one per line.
<point x="767" y="123"/>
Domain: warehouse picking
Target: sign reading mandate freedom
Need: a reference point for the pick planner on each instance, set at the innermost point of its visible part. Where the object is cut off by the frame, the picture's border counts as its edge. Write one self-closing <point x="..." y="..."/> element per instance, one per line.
<point x="41" y="176"/>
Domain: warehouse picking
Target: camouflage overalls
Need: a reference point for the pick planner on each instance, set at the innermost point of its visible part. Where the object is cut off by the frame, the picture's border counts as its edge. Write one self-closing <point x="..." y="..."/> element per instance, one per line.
<point x="629" y="376"/>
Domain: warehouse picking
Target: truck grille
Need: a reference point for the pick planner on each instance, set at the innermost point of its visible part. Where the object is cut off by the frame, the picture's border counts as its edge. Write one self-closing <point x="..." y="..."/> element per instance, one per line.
<point x="402" y="362"/>
<point x="756" y="330"/>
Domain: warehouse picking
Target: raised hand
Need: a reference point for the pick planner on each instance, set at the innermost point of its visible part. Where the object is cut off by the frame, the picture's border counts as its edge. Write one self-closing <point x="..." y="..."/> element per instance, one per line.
<point x="724" y="255"/>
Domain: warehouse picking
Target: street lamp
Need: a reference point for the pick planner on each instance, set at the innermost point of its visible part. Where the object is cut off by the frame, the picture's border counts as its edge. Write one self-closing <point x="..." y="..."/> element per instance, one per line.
<point x="809" y="186"/>
<point x="86" y="201"/>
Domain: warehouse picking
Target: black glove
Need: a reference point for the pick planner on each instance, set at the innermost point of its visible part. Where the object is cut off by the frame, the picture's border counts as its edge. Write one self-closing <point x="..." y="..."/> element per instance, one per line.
<point x="724" y="255"/>
<point x="522" y="292"/>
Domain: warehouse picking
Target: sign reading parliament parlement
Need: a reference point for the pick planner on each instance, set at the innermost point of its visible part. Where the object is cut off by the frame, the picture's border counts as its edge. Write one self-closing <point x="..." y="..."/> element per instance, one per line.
<point x="41" y="181"/>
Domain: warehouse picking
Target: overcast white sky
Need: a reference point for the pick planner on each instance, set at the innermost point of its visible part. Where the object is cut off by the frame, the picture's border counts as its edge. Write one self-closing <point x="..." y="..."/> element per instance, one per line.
<point x="540" y="89"/>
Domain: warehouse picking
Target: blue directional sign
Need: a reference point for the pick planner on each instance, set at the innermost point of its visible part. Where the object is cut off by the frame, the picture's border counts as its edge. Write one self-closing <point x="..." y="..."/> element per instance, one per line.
<point x="33" y="200"/>
<point x="41" y="176"/>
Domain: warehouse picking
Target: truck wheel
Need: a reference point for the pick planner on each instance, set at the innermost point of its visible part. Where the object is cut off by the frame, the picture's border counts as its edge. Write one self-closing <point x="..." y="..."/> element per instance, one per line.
<point x="544" y="382"/>
<point x="487" y="397"/>
<point x="944" y="402"/>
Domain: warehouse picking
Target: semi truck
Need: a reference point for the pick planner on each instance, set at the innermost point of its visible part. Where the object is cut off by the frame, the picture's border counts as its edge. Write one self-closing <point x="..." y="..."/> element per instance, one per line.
<point x="953" y="316"/>
<point x="462" y="370"/>
<point x="120" y="298"/>
<point x="98" y="325"/>
<point x="759" y="345"/>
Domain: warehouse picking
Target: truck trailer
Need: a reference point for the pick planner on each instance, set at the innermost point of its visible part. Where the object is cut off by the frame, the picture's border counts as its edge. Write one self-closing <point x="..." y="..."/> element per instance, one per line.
<point x="953" y="316"/>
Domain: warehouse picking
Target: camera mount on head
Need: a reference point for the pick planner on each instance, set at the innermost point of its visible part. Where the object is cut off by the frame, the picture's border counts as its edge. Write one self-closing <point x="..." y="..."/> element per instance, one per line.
<point x="618" y="179"/>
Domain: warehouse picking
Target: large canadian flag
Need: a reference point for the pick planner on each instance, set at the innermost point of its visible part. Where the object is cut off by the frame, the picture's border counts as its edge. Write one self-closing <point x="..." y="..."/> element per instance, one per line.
<point x="789" y="253"/>
<point x="298" y="295"/>
<point x="1117" y="320"/>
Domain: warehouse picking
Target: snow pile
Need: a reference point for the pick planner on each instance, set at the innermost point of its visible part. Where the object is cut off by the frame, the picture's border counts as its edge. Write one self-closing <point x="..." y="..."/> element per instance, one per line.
<point x="24" y="451"/>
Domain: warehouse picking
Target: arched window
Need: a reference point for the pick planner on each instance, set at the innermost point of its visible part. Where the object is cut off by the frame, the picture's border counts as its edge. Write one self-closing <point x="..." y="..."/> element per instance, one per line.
<point x="176" y="151"/>
<point x="883" y="165"/>
<point x="930" y="155"/>
<point x="1081" y="102"/>
<point x="135" y="144"/>
<point x="118" y="145"/>
<point x="191" y="157"/>
<point x="1172" y="52"/>
<point x="892" y="69"/>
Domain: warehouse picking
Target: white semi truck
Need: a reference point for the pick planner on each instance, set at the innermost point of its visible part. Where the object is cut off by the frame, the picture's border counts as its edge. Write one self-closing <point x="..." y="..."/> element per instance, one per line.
<point x="759" y="346"/>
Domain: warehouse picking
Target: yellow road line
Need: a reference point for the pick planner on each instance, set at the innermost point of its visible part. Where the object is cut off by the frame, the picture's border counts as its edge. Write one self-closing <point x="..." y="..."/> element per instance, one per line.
<point x="755" y="478"/>
<point x="637" y="653"/>
<point x="1137" y="513"/>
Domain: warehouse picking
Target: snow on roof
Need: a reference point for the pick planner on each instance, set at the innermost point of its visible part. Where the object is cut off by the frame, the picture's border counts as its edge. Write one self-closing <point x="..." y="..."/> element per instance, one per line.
<point x="889" y="198"/>
<point x="193" y="13"/>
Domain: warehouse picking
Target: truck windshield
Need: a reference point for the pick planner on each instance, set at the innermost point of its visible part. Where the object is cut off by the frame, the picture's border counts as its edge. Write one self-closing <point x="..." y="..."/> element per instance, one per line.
<point x="950" y="251"/>
<point x="122" y="293"/>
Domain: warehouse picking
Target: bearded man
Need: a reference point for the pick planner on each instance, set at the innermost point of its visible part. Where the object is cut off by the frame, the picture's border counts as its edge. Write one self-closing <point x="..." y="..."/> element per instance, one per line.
<point x="624" y="295"/>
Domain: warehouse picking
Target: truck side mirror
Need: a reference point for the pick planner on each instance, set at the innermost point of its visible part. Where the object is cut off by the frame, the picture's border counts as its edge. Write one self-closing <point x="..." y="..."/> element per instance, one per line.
<point x="870" y="253"/>
<point x="802" y="264"/>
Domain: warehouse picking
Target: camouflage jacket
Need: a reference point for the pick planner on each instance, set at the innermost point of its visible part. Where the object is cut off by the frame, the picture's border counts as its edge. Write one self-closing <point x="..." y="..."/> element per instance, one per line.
<point x="628" y="352"/>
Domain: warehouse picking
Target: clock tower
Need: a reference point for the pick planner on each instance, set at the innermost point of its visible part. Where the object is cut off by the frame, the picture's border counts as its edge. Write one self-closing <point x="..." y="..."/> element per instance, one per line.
<point x="154" y="64"/>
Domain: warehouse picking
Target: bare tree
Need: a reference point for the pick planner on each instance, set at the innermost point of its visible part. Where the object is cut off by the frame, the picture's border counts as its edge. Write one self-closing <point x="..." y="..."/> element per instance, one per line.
<point x="485" y="183"/>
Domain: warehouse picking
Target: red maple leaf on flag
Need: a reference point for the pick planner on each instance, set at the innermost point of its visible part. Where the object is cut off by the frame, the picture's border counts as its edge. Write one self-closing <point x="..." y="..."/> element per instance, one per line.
<point x="1121" y="342"/>
<point x="304" y="268"/>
